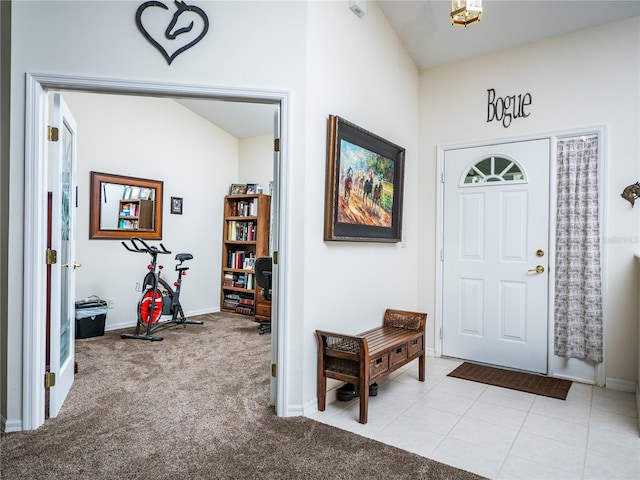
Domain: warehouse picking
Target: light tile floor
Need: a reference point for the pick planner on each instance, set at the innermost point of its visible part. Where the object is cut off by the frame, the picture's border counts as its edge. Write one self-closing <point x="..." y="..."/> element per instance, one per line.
<point x="500" y="433"/>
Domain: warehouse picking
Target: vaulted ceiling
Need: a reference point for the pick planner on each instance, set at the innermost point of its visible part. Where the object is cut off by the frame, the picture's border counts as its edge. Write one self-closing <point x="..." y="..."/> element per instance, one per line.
<point x="425" y="29"/>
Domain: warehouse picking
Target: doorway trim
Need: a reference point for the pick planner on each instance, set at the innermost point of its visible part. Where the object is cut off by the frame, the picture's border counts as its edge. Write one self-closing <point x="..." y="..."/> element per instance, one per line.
<point x="553" y="136"/>
<point x="35" y="209"/>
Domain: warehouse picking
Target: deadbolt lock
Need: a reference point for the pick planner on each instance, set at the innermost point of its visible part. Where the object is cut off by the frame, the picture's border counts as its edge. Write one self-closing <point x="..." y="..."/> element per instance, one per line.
<point x="539" y="253"/>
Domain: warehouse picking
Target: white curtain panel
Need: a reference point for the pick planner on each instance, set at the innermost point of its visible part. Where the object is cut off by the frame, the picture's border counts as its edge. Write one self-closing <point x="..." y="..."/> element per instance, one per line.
<point x="578" y="297"/>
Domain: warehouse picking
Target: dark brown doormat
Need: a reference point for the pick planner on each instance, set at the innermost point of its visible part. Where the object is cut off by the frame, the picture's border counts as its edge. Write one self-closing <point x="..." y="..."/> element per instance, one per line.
<point x="524" y="382"/>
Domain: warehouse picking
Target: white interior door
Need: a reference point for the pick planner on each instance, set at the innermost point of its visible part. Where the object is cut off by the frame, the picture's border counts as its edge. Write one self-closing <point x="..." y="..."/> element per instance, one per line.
<point x="495" y="268"/>
<point x="273" y="247"/>
<point x="62" y="339"/>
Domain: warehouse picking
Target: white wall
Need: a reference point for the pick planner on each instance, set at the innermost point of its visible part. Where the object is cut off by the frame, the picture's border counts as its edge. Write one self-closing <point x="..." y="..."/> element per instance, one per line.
<point x="583" y="79"/>
<point x="357" y="69"/>
<point x="256" y="161"/>
<point x="100" y="39"/>
<point x="157" y="139"/>
<point x="345" y="285"/>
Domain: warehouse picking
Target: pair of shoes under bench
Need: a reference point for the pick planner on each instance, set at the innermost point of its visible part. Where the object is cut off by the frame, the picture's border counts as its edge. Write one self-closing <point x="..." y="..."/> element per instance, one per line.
<point x="349" y="391"/>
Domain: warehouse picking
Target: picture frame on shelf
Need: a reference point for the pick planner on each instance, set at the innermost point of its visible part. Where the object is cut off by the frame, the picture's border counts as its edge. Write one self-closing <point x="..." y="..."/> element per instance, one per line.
<point x="238" y="189"/>
<point x="252" y="188"/>
<point x="176" y="205"/>
<point x="364" y="185"/>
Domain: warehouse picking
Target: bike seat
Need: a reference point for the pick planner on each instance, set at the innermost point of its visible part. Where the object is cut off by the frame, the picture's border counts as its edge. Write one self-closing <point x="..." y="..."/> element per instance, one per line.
<point x="181" y="257"/>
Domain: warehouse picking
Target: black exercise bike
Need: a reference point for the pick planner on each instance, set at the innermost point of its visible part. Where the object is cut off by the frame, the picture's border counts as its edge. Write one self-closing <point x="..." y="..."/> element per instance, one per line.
<point x="158" y="297"/>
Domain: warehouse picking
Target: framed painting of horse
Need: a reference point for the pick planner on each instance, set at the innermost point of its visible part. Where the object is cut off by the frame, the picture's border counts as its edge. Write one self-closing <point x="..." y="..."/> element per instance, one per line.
<point x="364" y="185"/>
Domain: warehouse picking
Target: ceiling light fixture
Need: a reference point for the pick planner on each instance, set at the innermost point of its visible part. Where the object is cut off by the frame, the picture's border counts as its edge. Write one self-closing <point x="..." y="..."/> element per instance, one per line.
<point x="464" y="12"/>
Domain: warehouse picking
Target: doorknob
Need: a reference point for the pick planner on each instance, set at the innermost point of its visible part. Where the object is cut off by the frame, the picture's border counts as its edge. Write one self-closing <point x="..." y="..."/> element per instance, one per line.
<point x="538" y="269"/>
<point x="75" y="265"/>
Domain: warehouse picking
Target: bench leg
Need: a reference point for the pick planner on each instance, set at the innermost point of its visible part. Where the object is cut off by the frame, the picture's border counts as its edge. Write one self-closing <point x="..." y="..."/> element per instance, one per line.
<point x="322" y="392"/>
<point x="421" y="360"/>
<point x="364" y="402"/>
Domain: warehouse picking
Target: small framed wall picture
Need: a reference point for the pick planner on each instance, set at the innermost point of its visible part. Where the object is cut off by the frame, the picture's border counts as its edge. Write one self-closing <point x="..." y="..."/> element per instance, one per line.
<point x="176" y="205"/>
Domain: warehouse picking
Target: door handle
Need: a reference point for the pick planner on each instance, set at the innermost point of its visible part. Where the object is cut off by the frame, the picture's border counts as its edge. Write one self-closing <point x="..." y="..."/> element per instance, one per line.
<point x="538" y="269"/>
<point x="75" y="265"/>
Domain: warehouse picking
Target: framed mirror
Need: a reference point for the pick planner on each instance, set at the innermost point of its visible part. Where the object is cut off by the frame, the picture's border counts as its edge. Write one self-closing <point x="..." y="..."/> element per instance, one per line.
<point x="123" y="207"/>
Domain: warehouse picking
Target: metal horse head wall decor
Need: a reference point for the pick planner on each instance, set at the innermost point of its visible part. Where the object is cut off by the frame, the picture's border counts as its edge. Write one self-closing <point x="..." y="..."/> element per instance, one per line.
<point x="631" y="192"/>
<point x="179" y="32"/>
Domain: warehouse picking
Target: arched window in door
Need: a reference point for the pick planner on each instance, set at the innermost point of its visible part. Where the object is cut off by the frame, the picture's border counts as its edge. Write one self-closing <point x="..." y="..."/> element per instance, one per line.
<point x="494" y="169"/>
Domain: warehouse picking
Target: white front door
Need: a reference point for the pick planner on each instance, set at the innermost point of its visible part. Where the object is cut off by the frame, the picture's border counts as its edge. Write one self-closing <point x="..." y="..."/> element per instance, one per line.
<point x="63" y="186"/>
<point x="495" y="267"/>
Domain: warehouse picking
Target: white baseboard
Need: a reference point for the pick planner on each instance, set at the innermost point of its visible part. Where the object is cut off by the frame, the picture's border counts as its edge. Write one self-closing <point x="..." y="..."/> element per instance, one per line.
<point x="572" y="378"/>
<point x="621" y="385"/>
<point x="10" y="426"/>
<point x="130" y="324"/>
<point x="119" y="326"/>
<point x="294" y="411"/>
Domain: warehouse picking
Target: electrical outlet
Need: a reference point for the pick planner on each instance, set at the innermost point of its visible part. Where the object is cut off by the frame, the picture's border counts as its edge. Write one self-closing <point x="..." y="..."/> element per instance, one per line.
<point x="111" y="303"/>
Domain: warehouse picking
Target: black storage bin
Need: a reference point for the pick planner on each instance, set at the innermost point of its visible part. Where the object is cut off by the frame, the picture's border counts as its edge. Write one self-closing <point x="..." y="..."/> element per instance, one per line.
<point x="91" y="314"/>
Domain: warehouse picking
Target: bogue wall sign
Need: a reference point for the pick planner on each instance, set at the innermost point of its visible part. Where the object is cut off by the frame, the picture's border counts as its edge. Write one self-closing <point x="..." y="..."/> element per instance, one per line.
<point x="508" y="108"/>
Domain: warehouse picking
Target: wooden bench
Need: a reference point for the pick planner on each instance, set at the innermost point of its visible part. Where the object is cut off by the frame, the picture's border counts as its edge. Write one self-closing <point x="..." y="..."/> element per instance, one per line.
<point x="366" y="358"/>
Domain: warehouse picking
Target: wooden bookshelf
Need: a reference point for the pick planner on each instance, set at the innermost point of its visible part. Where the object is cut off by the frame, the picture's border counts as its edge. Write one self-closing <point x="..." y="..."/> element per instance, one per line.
<point x="135" y="215"/>
<point x="245" y="237"/>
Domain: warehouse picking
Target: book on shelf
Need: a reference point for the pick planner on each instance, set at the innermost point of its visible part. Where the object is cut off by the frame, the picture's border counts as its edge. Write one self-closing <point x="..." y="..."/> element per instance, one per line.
<point x="235" y="301"/>
<point x="129" y="210"/>
<point x="244" y="208"/>
<point x="128" y="224"/>
<point x="231" y="300"/>
<point x="228" y="279"/>
<point x="237" y="259"/>
<point x="241" y="231"/>
<point x="239" y="280"/>
<point x="244" y="310"/>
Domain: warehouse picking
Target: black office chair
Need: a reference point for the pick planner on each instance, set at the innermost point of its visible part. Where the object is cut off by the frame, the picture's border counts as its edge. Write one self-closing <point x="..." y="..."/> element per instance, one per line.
<point x="263" y="268"/>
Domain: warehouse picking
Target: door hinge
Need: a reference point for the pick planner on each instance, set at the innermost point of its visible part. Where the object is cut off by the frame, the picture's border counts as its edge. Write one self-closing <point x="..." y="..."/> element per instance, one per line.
<point x="52" y="133"/>
<point x="442" y="255"/>
<point x="442" y="176"/>
<point x="273" y="370"/>
<point x="49" y="379"/>
<point x="275" y="258"/>
<point x="440" y="333"/>
<point x="276" y="145"/>
<point x="51" y="256"/>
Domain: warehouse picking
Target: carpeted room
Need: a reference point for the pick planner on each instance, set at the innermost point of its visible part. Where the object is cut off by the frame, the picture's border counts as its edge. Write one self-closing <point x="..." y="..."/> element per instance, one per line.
<point x="195" y="405"/>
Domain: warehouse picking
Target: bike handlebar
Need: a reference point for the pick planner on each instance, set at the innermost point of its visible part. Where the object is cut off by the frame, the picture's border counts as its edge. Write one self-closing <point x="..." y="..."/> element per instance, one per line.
<point x="138" y="245"/>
